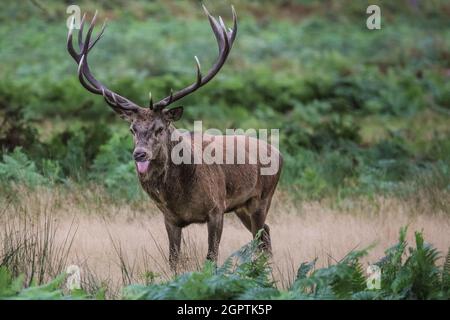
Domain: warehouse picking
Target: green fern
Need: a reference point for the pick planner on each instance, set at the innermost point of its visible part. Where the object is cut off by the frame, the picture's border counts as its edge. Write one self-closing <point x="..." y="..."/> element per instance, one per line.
<point x="446" y="274"/>
<point x="18" y="168"/>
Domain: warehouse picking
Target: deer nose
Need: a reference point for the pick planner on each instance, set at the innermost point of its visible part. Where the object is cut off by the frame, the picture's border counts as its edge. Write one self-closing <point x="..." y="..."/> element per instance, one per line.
<point x="139" y="155"/>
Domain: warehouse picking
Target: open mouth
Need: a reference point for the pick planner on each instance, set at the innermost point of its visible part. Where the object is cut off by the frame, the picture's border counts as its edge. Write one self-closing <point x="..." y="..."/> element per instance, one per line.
<point x="142" y="166"/>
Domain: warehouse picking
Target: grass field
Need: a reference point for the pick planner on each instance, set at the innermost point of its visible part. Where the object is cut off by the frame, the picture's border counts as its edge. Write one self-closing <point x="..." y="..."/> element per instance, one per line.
<point x="118" y="245"/>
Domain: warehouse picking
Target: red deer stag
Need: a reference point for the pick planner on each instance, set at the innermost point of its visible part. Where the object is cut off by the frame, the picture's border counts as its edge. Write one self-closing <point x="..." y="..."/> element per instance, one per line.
<point x="189" y="193"/>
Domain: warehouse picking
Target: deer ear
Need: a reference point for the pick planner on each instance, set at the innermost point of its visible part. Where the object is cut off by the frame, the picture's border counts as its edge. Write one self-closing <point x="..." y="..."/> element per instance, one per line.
<point x="174" y="114"/>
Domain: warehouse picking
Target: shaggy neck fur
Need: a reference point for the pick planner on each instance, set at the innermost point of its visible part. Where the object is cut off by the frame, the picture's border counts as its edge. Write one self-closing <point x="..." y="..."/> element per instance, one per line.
<point x="164" y="172"/>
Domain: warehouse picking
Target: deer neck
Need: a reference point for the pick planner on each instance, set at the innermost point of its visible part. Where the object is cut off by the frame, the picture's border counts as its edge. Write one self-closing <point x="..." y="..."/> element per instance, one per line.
<point x="167" y="175"/>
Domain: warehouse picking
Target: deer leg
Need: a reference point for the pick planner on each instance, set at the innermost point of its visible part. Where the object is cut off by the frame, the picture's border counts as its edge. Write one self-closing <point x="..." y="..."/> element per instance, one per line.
<point x="243" y="215"/>
<point x="174" y="233"/>
<point x="215" y="227"/>
<point x="245" y="218"/>
<point x="258" y="219"/>
<point x="267" y="242"/>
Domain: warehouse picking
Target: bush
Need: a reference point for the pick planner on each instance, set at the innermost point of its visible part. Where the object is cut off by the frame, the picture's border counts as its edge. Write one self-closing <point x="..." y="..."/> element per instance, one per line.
<point x="76" y="148"/>
<point x="17" y="168"/>
<point x="15" y="130"/>
<point x="114" y="168"/>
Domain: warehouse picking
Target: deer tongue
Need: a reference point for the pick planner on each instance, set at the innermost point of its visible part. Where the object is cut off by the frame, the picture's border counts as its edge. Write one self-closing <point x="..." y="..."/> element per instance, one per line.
<point x="142" y="166"/>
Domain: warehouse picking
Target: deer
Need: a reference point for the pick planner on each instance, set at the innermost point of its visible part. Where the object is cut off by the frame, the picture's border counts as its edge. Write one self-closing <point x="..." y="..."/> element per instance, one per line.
<point x="188" y="193"/>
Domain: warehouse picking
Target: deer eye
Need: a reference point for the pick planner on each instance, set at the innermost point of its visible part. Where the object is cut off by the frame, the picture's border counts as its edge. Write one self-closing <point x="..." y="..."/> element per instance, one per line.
<point x="158" y="131"/>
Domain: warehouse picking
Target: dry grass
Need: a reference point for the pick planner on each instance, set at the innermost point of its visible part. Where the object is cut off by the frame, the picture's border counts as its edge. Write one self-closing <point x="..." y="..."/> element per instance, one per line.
<point x="121" y="244"/>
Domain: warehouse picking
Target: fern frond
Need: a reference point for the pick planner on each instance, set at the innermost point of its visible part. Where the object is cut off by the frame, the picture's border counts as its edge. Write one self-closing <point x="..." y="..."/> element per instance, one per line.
<point x="446" y="273"/>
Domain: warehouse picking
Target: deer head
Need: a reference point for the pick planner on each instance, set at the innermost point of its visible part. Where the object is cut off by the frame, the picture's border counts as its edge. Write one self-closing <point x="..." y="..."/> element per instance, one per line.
<point x="151" y="127"/>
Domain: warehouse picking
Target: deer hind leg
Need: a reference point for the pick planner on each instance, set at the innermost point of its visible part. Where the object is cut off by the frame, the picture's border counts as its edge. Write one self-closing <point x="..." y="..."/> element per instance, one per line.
<point x="215" y="227"/>
<point x="258" y="212"/>
<point x="258" y="218"/>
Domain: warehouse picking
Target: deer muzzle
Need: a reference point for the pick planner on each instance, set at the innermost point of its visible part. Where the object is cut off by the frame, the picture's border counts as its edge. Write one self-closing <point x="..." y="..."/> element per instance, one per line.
<point x="142" y="160"/>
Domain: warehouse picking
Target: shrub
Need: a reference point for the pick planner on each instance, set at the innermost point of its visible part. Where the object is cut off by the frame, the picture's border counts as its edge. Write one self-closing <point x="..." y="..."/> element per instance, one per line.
<point x="114" y="168"/>
<point x="17" y="168"/>
<point x="76" y="148"/>
<point x="15" y="130"/>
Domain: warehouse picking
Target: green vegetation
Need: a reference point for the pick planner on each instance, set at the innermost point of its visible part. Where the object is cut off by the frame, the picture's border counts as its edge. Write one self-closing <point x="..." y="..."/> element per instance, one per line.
<point x="406" y="273"/>
<point x="361" y="112"/>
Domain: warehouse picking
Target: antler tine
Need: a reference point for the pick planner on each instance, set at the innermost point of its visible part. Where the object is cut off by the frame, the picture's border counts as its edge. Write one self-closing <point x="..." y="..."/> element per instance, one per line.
<point x="235" y="27"/>
<point x="81" y="77"/>
<point x="80" y="32"/>
<point x="216" y="27"/>
<point x="225" y="41"/>
<point x="113" y="103"/>
<point x="150" y="98"/>
<point x="92" y="44"/>
<point x="87" y="46"/>
<point x="70" y="48"/>
<point x="199" y="72"/>
<point x="84" y="74"/>
<point x="222" y="24"/>
<point x="171" y="96"/>
<point x="87" y="41"/>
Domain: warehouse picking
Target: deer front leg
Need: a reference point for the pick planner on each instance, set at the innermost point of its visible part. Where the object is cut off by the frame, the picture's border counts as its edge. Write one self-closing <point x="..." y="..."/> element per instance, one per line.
<point x="174" y="233"/>
<point x="215" y="227"/>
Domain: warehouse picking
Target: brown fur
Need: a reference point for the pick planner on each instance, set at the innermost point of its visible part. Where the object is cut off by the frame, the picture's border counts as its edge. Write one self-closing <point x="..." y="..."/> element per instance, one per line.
<point x="202" y="193"/>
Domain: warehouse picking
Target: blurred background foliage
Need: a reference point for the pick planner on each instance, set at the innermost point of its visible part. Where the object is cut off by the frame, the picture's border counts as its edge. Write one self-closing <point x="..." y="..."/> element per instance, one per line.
<point x="360" y="112"/>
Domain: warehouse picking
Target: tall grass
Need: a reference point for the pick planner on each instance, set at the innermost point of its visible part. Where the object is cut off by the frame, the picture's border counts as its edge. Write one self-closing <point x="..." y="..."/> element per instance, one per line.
<point x="118" y="245"/>
<point x="405" y="274"/>
<point x="29" y="246"/>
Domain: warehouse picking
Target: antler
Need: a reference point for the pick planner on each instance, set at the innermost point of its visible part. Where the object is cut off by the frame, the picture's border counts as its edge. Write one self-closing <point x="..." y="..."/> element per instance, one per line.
<point x="117" y="102"/>
<point x="225" y="38"/>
